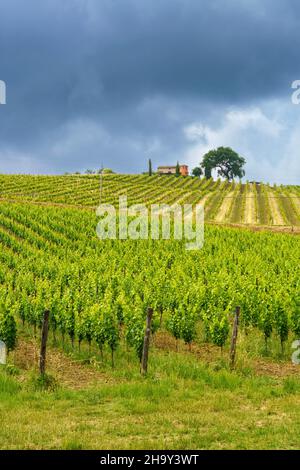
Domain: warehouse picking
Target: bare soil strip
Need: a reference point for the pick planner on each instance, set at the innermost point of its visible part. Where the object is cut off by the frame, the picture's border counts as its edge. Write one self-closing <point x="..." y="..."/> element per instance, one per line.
<point x="223" y="213"/>
<point x="203" y="200"/>
<point x="208" y="353"/>
<point x="289" y="229"/>
<point x="68" y="371"/>
<point x="275" y="211"/>
<point x="250" y="211"/>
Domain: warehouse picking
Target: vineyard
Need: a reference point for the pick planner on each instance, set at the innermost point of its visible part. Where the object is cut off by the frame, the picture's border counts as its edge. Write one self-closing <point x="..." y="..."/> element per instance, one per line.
<point x="98" y="292"/>
<point x="233" y="203"/>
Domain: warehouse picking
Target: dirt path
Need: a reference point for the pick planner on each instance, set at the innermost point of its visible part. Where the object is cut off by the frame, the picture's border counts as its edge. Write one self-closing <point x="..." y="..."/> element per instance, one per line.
<point x="208" y="353"/>
<point x="259" y="228"/>
<point x="274" y="208"/>
<point x="69" y="372"/>
<point x="250" y="212"/>
<point x="223" y="213"/>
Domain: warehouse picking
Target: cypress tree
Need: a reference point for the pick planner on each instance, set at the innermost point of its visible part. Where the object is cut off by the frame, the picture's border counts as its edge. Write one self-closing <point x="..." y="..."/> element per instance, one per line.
<point x="150" y="167"/>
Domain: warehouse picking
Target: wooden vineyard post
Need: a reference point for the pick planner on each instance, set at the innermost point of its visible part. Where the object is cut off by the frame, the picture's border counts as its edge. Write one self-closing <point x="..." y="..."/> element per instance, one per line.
<point x="234" y="337"/>
<point x="144" y="362"/>
<point x="45" y="328"/>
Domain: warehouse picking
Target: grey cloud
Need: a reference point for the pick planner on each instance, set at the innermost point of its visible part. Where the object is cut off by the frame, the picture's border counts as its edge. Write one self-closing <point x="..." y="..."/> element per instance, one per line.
<point x="139" y="70"/>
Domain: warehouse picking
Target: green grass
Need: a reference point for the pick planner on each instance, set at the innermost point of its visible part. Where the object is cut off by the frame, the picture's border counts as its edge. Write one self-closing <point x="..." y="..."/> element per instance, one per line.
<point x="182" y="404"/>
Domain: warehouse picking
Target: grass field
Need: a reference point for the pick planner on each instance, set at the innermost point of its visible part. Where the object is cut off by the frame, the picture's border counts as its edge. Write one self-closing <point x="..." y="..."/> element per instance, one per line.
<point x="184" y="403"/>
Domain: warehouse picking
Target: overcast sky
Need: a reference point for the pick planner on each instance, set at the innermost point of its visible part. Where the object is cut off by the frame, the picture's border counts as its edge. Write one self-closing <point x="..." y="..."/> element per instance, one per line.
<point x="119" y="81"/>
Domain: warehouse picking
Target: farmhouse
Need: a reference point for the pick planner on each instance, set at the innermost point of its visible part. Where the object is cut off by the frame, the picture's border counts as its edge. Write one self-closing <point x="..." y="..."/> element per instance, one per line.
<point x="171" y="170"/>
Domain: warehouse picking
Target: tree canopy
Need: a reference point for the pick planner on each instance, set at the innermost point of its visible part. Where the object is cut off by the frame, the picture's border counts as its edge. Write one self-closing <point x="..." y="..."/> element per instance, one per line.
<point x="197" y="171"/>
<point x="226" y="161"/>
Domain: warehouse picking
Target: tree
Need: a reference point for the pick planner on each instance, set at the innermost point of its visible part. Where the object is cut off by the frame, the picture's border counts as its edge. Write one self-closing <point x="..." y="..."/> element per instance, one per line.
<point x="177" y="169"/>
<point x="105" y="171"/>
<point x="228" y="163"/>
<point x="150" y="167"/>
<point x="207" y="172"/>
<point x="89" y="172"/>
<point x="197" y="172"/>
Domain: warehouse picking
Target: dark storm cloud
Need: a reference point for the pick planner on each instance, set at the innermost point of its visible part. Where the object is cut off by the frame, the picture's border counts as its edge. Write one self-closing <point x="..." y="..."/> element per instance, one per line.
<point x="140" y="69"/>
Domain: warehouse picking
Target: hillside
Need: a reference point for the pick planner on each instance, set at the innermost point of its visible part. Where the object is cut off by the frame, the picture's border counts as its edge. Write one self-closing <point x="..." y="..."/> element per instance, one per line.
<point x="98" y="293"/>
<point x="251" y="204"/>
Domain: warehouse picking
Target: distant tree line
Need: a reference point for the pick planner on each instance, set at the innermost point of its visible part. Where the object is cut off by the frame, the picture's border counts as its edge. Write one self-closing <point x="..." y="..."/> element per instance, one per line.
<point x="228" y="164"/>
<point x="104" y="171"/>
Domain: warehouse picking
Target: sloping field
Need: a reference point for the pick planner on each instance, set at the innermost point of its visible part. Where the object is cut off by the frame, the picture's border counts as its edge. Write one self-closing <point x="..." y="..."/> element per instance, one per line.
<point x="250" y="204"/>
<point x="97" y="293"/>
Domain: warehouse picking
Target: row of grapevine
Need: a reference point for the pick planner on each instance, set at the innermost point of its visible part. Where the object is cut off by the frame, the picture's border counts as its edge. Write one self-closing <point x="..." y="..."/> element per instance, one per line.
<point x="98" y="292"/>
<point x="83" y="190"/>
